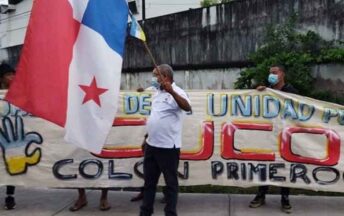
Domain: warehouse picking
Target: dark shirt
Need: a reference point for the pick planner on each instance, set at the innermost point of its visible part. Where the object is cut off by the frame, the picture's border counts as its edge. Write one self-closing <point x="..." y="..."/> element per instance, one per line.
<point x="289" y="89"/>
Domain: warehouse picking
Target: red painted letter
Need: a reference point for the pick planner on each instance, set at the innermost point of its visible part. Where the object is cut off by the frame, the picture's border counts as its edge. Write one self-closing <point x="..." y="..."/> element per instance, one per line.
<point x="333" y="147"/>
<point x="228" y="150"/>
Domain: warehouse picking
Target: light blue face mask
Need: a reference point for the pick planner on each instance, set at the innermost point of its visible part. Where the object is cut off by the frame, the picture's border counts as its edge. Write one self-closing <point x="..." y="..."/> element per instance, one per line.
<point x="273" y="79"/>
<point x="155" y="83"/>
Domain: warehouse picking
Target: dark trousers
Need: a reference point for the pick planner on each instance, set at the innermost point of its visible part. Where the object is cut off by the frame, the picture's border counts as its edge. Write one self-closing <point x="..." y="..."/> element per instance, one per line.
<point x="157" y="161"/>
<point x="10" y="190"/>
<point x="262" y="190"/>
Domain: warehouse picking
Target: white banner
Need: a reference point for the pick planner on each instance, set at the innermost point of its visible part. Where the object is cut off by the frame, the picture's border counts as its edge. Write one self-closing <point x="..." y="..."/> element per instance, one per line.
<point x="233" y="137"/>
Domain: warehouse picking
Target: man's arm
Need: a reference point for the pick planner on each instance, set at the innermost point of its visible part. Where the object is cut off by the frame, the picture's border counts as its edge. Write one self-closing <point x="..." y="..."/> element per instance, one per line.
<point x="182" y="102"/>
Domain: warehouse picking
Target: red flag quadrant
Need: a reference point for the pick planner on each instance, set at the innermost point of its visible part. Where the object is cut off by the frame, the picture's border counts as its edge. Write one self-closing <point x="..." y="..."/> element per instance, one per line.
<point x="70" y="67"/>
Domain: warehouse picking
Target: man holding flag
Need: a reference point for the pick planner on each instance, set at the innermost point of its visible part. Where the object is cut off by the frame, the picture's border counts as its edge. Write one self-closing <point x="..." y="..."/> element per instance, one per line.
<point x="162" y="149"/>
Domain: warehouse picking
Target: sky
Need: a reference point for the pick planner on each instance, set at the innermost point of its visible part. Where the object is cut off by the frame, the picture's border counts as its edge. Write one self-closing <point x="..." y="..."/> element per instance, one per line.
<point x="161" y="7"/>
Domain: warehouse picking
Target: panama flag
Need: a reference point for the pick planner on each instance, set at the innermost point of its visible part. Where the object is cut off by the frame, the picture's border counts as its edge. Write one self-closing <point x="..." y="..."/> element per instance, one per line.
<point x="70" y="67"/>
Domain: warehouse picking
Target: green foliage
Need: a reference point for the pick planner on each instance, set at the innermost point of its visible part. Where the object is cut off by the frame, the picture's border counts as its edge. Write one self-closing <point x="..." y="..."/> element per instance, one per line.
<point x="283" y="45"/>
<point x="225" y="1"/>
<point x="327" y="96"/>
<point x="331" y="55"/>
<point x="208" y="3"/>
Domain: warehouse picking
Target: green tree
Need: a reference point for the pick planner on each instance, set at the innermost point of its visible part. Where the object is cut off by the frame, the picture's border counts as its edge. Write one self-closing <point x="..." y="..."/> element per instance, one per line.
<point x="298" y="53"/>
<point x="207" y="3"/>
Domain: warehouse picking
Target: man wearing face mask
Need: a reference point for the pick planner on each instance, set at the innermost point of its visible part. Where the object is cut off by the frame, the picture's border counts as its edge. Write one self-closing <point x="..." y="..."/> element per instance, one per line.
<point x="162" y="148"/>
<point x="276" y="81"/>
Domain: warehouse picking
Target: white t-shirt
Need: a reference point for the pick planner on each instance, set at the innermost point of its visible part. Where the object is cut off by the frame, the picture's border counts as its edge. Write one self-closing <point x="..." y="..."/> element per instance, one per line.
<point x="164" y="125"/>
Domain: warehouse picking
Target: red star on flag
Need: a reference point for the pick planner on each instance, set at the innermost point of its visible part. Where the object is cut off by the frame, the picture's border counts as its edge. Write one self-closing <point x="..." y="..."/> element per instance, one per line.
<point x="92" y="92"/>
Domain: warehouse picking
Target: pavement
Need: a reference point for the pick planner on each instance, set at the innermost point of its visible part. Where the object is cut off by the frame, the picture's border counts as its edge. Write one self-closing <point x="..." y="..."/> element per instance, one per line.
<point x="49" y="202"/>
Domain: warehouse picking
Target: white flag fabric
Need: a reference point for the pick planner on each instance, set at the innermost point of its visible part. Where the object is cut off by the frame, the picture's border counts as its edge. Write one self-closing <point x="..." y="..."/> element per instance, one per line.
<point x="77" y="56"/>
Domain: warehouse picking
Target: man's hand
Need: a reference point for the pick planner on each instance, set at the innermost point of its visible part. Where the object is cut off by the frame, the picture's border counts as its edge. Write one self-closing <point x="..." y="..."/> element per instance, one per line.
<point x="167" y="86"/>
<point x="182" y="103"/>
<point x="140" y="89"/>
<point x="261" y="88"/>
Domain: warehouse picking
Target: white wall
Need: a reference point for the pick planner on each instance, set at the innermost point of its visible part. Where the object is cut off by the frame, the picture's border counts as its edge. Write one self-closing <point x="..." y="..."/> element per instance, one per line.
<point x="328" y="77"/>
<point x="187" y="79"/>
<point x="13" y="25"/>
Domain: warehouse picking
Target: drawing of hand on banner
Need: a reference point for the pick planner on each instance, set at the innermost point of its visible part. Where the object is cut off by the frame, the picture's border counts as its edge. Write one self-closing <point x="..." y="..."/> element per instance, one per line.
<point x="15" y="144"/>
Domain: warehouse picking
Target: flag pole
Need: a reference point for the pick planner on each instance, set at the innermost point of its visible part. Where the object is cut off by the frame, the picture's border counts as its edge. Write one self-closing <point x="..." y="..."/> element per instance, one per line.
<point x="152" y="57"/>
<point x="141" y="36"/>
<point x="150" y="54"/>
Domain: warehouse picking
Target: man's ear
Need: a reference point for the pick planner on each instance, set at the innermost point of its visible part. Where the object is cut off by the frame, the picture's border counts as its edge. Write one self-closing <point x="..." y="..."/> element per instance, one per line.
<point x="283" y="75"/>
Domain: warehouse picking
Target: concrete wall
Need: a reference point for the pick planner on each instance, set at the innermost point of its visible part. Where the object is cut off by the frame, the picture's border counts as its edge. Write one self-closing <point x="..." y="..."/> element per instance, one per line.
<point x="328" y="77"/>
<point x="187" y="79"/>
<point x="223" y="36"/>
